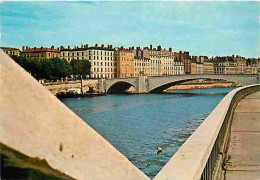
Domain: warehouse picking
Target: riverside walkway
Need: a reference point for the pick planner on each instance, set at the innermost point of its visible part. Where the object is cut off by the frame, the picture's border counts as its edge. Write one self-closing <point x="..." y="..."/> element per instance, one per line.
<point x="244" y="147"/>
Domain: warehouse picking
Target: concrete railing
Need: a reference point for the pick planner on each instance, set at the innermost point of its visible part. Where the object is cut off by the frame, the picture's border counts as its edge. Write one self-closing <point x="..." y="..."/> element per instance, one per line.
<point x="201" y="156"/>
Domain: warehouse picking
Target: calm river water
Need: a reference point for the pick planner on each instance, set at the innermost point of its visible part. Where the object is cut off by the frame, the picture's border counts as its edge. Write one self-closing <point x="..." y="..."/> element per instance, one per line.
<point x="137" y="124"/>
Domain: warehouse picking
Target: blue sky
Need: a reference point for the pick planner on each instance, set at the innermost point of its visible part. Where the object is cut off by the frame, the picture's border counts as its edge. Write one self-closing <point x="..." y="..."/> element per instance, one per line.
<point x="203" y="28"/>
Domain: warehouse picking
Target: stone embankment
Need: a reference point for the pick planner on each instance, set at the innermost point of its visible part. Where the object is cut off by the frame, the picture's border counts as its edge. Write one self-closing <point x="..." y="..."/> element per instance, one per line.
<point x="204" y="86"/>
<point x="55" y="88"/>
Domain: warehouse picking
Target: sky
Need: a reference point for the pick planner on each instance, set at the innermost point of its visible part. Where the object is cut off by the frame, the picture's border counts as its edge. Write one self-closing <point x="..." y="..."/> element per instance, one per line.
<point x="202" y="28"/>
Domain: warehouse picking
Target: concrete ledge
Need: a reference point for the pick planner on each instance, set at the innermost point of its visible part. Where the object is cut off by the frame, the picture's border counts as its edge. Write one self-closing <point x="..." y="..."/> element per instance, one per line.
<point x="36" y="125"/>
<point x="189" y="161"/>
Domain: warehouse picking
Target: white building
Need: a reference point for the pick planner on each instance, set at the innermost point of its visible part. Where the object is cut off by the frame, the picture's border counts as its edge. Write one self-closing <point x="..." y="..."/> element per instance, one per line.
<point x="102" y="60"/>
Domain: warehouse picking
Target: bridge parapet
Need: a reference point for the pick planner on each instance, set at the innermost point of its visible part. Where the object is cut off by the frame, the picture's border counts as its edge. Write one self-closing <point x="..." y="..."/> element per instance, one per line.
<point x="201" y="156"/>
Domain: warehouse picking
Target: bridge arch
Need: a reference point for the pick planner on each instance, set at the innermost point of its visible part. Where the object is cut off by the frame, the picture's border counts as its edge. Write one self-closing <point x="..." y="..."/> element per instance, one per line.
<point x="119" y="87"/>
<point x="164" y="86"/>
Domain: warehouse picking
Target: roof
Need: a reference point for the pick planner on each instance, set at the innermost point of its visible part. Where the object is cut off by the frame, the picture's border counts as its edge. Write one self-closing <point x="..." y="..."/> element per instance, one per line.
<point x="11" y="48"/>
<point x="89" y="48"/>
<point x="33" y="50"/>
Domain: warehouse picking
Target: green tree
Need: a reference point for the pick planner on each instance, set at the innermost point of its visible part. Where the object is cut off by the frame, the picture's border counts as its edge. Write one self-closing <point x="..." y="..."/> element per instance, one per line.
<point x="34" y="67"/>
<point x="86" y="66"/>
<point x="61" y="68"/>
<point x="80" y="67"/>
<point x="46" y="69"/>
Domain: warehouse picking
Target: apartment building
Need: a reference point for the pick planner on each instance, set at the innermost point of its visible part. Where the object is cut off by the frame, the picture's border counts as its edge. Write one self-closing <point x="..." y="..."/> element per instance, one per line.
<point x="185" y="58"/>
<point x="162" y="60"/>
<point x="178" y="68"/>
<point x="208" y="67"/>
<point x="103" y="64"/>
<point x="142" y="66"/>
<point x="11" y="51"/>
<point x="241" y="64"/>
<point x="225" y="67"/>
<point x="40" y="53"/>
<point x="125" y="62"/>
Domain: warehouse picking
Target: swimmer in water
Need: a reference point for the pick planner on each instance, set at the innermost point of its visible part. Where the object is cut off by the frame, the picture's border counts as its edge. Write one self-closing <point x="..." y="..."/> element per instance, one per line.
<point x="159" y="150"/>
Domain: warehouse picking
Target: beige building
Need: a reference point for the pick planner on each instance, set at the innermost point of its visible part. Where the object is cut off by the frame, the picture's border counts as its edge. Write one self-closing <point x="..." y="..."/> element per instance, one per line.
<point x="200" y="68"/>
<point x="251" y="69"/>
<point x="11" y="51"/>
<point x="178" y="68"/>
<point x="241" y="64"/>
<point x="208" y="67"/>
<point x="194" y="68"/>
<point x="142" y="66"/>
<point x="40" y="53"/>
<point x="225" y="68"/>
<point x="125" y="62"/>
<point x="162" y="61"/>
<point x="103" y="64"/>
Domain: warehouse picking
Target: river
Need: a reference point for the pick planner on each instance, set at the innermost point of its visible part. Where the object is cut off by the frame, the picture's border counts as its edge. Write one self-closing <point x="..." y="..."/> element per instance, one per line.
<point x="137" y="124"/>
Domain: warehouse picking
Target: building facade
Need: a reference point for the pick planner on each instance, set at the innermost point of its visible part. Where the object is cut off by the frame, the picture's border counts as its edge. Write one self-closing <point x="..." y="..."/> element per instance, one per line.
<point x="178" y="68"/>
<point x="142" y="66"/>
<point x="40" y="53"/>
<point x="11" y="51"/>
<point x="208" y="67"/>
<point x="125" y="62"/>
<point x="225" y="67"/>
<point x="103" y="64"/>
<point x="162" y="61"/>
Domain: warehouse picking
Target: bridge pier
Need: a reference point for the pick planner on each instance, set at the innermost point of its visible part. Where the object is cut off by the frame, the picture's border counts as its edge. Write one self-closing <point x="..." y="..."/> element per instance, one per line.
<point x="142" y="84"/>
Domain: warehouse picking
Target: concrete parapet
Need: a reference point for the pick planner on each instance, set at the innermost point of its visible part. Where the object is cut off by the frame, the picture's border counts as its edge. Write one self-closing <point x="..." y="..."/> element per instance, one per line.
<point x="207" y="144"/>
<point x="39" y="132"/>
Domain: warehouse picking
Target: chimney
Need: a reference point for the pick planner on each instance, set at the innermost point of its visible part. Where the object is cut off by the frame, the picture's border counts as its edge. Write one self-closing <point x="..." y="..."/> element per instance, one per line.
<point x="86" y="45"/>
<point x="96" y="45"/>
<point x="58" y="48"/>
<point x="159" y="48"/>
<point x="170" y="49"/>
<point x="26" y="47"/>
<point x="23" y="48"/>
<point x="151" y="46"/>
<point x="34" y="48"/>
<point x="52" y="47"/>
<point x="81" y="46"/>
<point x="133" y="48"/>
<point x="68" y="47"/>
<point x="111" y="46"/>
<point x="41" y="47"/>
<point x="122" y="47"/>
<point x="102" y="45"/>
<point x="129" y="48"/>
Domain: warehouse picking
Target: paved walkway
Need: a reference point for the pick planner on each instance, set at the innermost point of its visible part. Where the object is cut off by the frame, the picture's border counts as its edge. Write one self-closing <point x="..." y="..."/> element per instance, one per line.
<point x="244" y="147"/>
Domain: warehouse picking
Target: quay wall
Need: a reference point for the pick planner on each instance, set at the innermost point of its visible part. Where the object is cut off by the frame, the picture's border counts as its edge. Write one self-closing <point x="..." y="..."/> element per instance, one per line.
<point x="201" y="156"/>
<point x="203" y="86"/>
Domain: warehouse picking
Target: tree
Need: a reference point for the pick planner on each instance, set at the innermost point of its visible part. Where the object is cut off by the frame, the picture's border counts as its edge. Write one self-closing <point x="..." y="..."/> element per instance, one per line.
<point x="46" y="69"/>
<point x="61" y="68"/>
<point x="80" y="67"/>
<point x="86" y="66"/>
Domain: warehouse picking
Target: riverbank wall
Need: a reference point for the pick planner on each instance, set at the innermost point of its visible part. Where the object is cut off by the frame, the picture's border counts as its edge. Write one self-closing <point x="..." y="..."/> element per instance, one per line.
<point x="204" y="86"/>
<point x="55" y="88"/>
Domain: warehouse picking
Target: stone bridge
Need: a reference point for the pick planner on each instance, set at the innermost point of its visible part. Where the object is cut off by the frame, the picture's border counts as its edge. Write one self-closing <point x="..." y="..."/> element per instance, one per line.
<point x="156" y="84"/>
